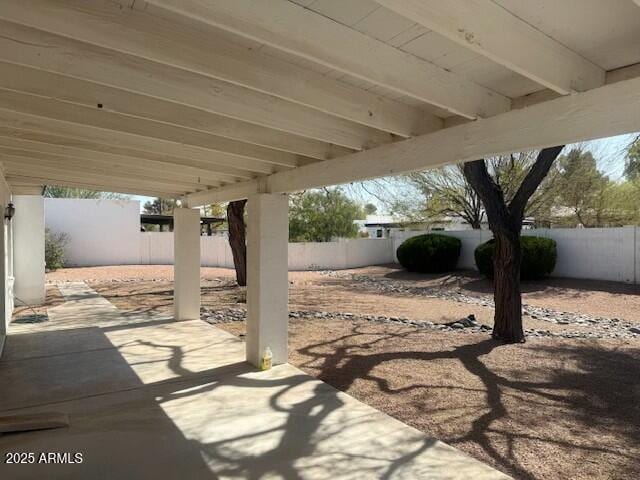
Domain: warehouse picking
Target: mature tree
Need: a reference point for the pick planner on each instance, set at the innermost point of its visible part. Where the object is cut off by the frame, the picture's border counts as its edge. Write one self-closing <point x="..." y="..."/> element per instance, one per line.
<point x="505" y="221"/>
<point x="321" y="215"/>
<point x="237" y="239"/>
<point x="622" y="203"/>
<point x="370" y="209"/>
<point x="159" y="206"/>
<point x="632" y="166"/>
<point x="582" y="188"/>
<point x="447" y="193"/>
<point x="52" y="191"/>
<point x="214" y="210"/>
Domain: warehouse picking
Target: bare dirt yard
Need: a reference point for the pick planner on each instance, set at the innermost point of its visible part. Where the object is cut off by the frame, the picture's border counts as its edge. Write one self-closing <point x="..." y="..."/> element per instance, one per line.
<point x="552" y="408"/>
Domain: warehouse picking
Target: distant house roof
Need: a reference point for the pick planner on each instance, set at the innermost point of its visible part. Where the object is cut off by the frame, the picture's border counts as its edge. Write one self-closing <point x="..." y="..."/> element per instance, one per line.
<point x="385" y="221"/>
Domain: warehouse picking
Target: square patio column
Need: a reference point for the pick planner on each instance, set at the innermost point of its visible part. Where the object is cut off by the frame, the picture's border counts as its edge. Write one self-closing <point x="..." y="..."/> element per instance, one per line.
<point x="186" y="244"/>
<point x="6" y="308"/>
<point x="28" y="249"/>
<point x="267" y="281"/>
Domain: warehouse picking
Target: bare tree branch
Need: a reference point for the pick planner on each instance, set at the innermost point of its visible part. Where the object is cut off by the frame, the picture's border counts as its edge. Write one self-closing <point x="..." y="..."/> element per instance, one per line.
<point x="536" y="174"/>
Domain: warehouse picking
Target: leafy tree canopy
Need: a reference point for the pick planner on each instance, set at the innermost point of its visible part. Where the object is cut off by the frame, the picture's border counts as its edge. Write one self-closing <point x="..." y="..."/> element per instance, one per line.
<point x="370" y="209"/>
<point x="322" y="215"/>
<point x="632" y="166"/>
<point x="51" y="191"/>
<point x="159" y="206"/>
<point x="591" y="197"/>
<point x="445" y="192"/>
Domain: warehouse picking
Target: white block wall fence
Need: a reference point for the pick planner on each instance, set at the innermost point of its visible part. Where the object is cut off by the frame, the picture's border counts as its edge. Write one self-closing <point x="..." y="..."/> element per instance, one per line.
<point x="101" y="232"/>
<point x="107" y="232"/>
<point x="156" y="248"/>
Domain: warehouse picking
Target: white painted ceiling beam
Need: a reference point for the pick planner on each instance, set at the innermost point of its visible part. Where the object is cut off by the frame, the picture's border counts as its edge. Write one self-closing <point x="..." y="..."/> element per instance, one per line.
<point x="294" y="29"/>
<point x="41" y="140"/>
<point x="89" y="94"/>
<point x="127" y="169"/>
<point x="57" y="58"/>
<point x="226" y="193"/>
<point x="140" y="33"/>
<point x="52" y="177"/>
<point x="10" y="117"/>
<point x="25" y="90"/>
<point x="32" y="149"/>
<point x="19" y="183"/>
<point x="489" y="30"/>
<point x="605" y="111"/>
<point x="30" y="47"/>
<point x="88" y="173"/>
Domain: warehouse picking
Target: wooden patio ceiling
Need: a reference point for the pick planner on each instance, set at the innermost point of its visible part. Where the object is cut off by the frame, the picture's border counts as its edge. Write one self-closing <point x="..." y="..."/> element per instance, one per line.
<point x="213" y="100"/>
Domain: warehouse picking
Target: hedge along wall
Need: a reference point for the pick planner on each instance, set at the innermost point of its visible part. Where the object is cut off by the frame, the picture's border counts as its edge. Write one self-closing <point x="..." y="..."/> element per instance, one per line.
<point x="589" y="253"/>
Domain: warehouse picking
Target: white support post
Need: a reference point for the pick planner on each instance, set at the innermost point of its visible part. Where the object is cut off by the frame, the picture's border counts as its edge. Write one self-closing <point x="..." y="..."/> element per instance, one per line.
<point x="6" y="308"/>
<point x="267" y="281"/>
<point x="28" y="249"/>
<point x="186" y="236"/>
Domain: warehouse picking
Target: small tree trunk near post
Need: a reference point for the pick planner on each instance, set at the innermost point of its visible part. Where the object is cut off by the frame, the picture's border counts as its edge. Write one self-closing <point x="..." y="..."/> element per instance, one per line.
<point x="505" y="221"/>
<point x="237" y="235"/>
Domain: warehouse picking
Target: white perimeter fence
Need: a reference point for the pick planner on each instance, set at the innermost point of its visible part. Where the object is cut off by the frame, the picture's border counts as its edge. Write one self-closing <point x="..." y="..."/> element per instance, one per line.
<point x="595" y="253"/>
<point x="157" y="249"/>
<point x="107" y="232"/>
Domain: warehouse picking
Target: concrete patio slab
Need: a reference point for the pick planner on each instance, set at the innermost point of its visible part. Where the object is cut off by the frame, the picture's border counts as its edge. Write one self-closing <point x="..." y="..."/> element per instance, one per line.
<point x="161" y="399"/>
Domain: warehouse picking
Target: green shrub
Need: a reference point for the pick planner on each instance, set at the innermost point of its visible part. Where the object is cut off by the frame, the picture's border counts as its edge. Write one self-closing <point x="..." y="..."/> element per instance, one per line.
<point x="54" y="244"/>
<point x="538" y="257"/>
<point x="430" y="253"/>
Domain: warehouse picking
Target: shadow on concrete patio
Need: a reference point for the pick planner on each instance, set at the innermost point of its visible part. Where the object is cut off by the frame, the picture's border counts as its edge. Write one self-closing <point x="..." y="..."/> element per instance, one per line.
<point x="152" y="398"/>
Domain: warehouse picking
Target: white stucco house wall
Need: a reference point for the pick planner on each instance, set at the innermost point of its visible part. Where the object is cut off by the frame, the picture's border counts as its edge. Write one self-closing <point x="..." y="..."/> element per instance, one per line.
<point x="99" y="232"/>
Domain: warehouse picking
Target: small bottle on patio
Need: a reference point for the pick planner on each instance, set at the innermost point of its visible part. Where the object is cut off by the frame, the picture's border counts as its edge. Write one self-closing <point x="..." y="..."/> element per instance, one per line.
<point x="267" y="359"/>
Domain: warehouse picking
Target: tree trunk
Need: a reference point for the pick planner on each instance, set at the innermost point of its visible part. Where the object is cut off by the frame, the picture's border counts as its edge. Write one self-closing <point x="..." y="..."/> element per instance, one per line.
<point x="237" y="235"/>
<point x="505" y="221"/>
<point x="507" y="325"/>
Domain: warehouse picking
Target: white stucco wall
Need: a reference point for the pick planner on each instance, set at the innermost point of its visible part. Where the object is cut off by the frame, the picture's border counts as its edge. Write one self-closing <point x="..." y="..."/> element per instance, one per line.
<point x="215" y="252"/>
<point x="156" y="248"/>
<point x="339" y="255"/>
<point x="101" y="232"/>
<point x="596" y="253"/>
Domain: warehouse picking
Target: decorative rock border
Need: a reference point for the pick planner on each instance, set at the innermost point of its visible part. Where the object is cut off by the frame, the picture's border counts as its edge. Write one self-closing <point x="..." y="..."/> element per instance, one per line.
<point x="600" y="327"/>
<point x="465" y="325"/>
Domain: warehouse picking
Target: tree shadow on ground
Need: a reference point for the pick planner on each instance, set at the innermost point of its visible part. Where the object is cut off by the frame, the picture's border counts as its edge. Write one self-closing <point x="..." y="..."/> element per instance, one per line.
<point x="149" y="297"/>
<point x="598" y="393"/>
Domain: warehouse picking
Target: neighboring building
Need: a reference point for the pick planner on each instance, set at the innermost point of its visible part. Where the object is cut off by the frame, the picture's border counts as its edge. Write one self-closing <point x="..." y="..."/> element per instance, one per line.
<point x="381" y="226"/>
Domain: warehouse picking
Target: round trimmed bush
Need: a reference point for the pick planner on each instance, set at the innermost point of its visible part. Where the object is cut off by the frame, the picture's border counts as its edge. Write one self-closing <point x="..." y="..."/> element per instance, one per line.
<point x="538" y="257"/>
<point x="430" y="253"/>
